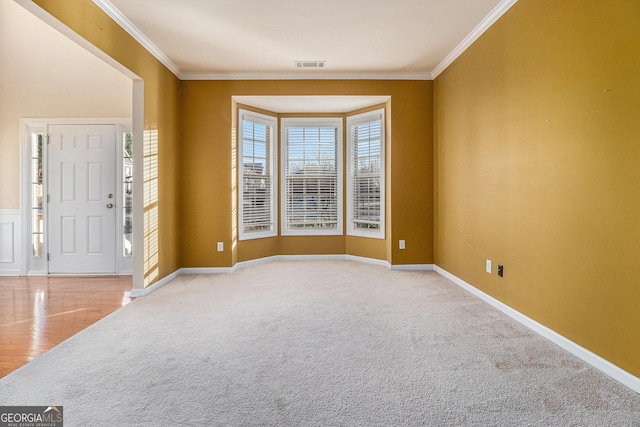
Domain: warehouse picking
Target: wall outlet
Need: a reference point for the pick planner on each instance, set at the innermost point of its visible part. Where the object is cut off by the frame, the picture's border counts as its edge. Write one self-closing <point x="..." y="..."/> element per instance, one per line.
<point x="402" y="244"/>
<point x="220" y="246"/>
<point x="488" y="266"/>
<point x="500" y="270"/>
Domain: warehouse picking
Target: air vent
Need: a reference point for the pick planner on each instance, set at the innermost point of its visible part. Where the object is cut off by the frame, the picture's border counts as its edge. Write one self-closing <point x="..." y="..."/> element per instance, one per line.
<point x="310" y="64"/>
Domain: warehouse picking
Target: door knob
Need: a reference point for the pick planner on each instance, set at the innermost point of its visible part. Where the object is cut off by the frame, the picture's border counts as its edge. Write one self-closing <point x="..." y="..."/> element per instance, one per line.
<point x="110" y="205"/>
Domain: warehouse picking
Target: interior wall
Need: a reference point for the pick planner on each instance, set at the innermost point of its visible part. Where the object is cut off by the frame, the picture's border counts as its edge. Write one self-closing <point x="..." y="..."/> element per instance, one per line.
<point x="537" y="130"/>
<point x="44" y="74"/>
<point x="207" y="196"/>
<point x="162" y="98"/>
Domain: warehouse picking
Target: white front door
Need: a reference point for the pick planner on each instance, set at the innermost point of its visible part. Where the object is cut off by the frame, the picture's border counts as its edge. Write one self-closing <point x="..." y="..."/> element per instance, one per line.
<point x="82" y="199"/>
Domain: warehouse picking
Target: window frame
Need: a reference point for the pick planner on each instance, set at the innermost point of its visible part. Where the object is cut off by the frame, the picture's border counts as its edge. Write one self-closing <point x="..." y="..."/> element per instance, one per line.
<point x="355" y="120"/>
<point x="263" y="119"/>
<point x="291" y="122"/>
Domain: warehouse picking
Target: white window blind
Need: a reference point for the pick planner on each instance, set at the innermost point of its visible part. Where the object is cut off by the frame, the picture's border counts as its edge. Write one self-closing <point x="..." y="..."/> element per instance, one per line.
<point x="312" y="176"/>
<point x="257" y="192"/>
<point x="365" y="197"/>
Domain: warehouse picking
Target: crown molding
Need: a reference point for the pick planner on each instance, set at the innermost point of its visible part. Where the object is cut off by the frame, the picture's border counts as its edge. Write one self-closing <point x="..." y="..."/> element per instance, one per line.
<point x="134" y="32"/>
<point x="107" y="7"/>
<point x="488" y="21"/>
<point x="306" y="76"/>
<point x="483" y="26"/>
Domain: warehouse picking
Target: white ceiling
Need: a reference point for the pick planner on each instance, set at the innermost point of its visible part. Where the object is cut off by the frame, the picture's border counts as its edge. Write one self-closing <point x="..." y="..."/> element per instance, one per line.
<point x="260" y="39"/>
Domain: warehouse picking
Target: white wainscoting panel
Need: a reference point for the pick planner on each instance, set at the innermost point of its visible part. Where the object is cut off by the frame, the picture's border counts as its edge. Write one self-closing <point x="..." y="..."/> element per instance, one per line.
<point x="10" y="242"/>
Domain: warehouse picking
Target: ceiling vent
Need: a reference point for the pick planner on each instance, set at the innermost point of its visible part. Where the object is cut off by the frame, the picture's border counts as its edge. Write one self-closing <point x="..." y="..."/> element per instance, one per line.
<point x="311" y="64"/>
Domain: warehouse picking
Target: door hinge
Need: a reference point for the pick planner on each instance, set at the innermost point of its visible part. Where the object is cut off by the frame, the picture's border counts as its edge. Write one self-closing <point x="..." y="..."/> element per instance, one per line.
<point x="48" y="198"/>
<point x="48" y="256"/>
<point x="47" y="138"/>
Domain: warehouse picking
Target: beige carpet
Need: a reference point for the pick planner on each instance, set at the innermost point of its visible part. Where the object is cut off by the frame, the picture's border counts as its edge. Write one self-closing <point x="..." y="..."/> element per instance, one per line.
<point x="316" y="344"/>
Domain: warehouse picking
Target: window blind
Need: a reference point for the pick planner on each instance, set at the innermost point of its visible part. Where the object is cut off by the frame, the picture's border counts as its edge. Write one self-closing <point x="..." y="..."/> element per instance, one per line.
<point x="312" y="194"/>
<point x="257" y="193"/>
<point x="366" y="175"/>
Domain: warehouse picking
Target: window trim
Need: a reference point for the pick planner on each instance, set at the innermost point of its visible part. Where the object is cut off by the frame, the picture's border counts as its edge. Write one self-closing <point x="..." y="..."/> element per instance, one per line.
<point x="353" y="121"/>
<point x="336" y="122"/>
<point x="273" y="158"/>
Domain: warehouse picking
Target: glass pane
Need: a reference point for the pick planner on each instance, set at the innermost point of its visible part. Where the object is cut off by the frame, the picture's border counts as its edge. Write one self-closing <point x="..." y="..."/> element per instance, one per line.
<point x="366" y="175"/>
<point x="311" y="178"/>
<point x="36" y="202"/>
<point x="37" y="245"/>
<point x="247" y="148"/>
<point x="36" y="171"/>
<point x="36" y="145"/>
<point x="256" y="189"/>
<point x="128" y="145"/>
<point x="37" y="216"/>
<point x="127" y="194"/>
<point x="128" y="245"/>
<point x="36" y="221"/>
<point x="37" y="224"/>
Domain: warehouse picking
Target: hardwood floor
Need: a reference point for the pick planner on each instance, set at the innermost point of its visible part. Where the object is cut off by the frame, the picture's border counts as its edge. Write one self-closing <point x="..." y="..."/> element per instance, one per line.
<point x="38" y="313"/>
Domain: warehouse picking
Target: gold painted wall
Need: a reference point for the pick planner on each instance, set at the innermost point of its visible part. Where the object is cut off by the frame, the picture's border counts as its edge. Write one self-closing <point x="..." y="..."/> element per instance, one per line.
<point x="537" y="146"/>
<point x="162" y="97"/>
<point x="207" y="173"/>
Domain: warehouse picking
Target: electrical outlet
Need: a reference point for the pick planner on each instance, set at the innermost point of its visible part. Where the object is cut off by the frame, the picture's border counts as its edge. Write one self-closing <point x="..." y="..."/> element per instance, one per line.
<point x="402" y="244"/>
<point x="500" y="270"/>
<point x="220" y="246"/>
<point x="488" y="266"/>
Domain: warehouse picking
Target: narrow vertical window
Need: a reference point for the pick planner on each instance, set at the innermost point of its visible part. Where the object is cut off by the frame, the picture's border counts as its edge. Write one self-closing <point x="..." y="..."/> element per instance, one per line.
<point x="256" y="169"/>
<point x="127" y="193"/>
<point x="312" y="177"/>
<point x="37" y="194"/>
<point x="365" y="197"/>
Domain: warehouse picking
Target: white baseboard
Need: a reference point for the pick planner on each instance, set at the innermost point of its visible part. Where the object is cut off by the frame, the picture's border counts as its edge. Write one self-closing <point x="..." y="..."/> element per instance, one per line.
<point x="412" y="267"/>
<point x="335" y="257"/>
<point x="244" y="264"/>
<point x="37" y="274"/>
<point x="9" y="273"/>
<point x="592" y="359"/>
<point x="365" y="260"/>
<point x="207" y="270"/>
<point x="136" y="292"/>
<point x="332" y="257"/>
<point x="258" y="261"/>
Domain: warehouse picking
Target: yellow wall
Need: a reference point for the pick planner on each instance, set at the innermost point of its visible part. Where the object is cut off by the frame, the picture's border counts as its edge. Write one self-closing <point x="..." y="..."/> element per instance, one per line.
<point x="162" y="97"/>
<point x="537" y="145"/>
<point x="207" y="197"/>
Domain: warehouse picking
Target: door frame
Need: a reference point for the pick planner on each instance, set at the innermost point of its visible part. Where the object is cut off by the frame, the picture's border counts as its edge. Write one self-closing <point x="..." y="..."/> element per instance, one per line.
<point x="32" y="266"/>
